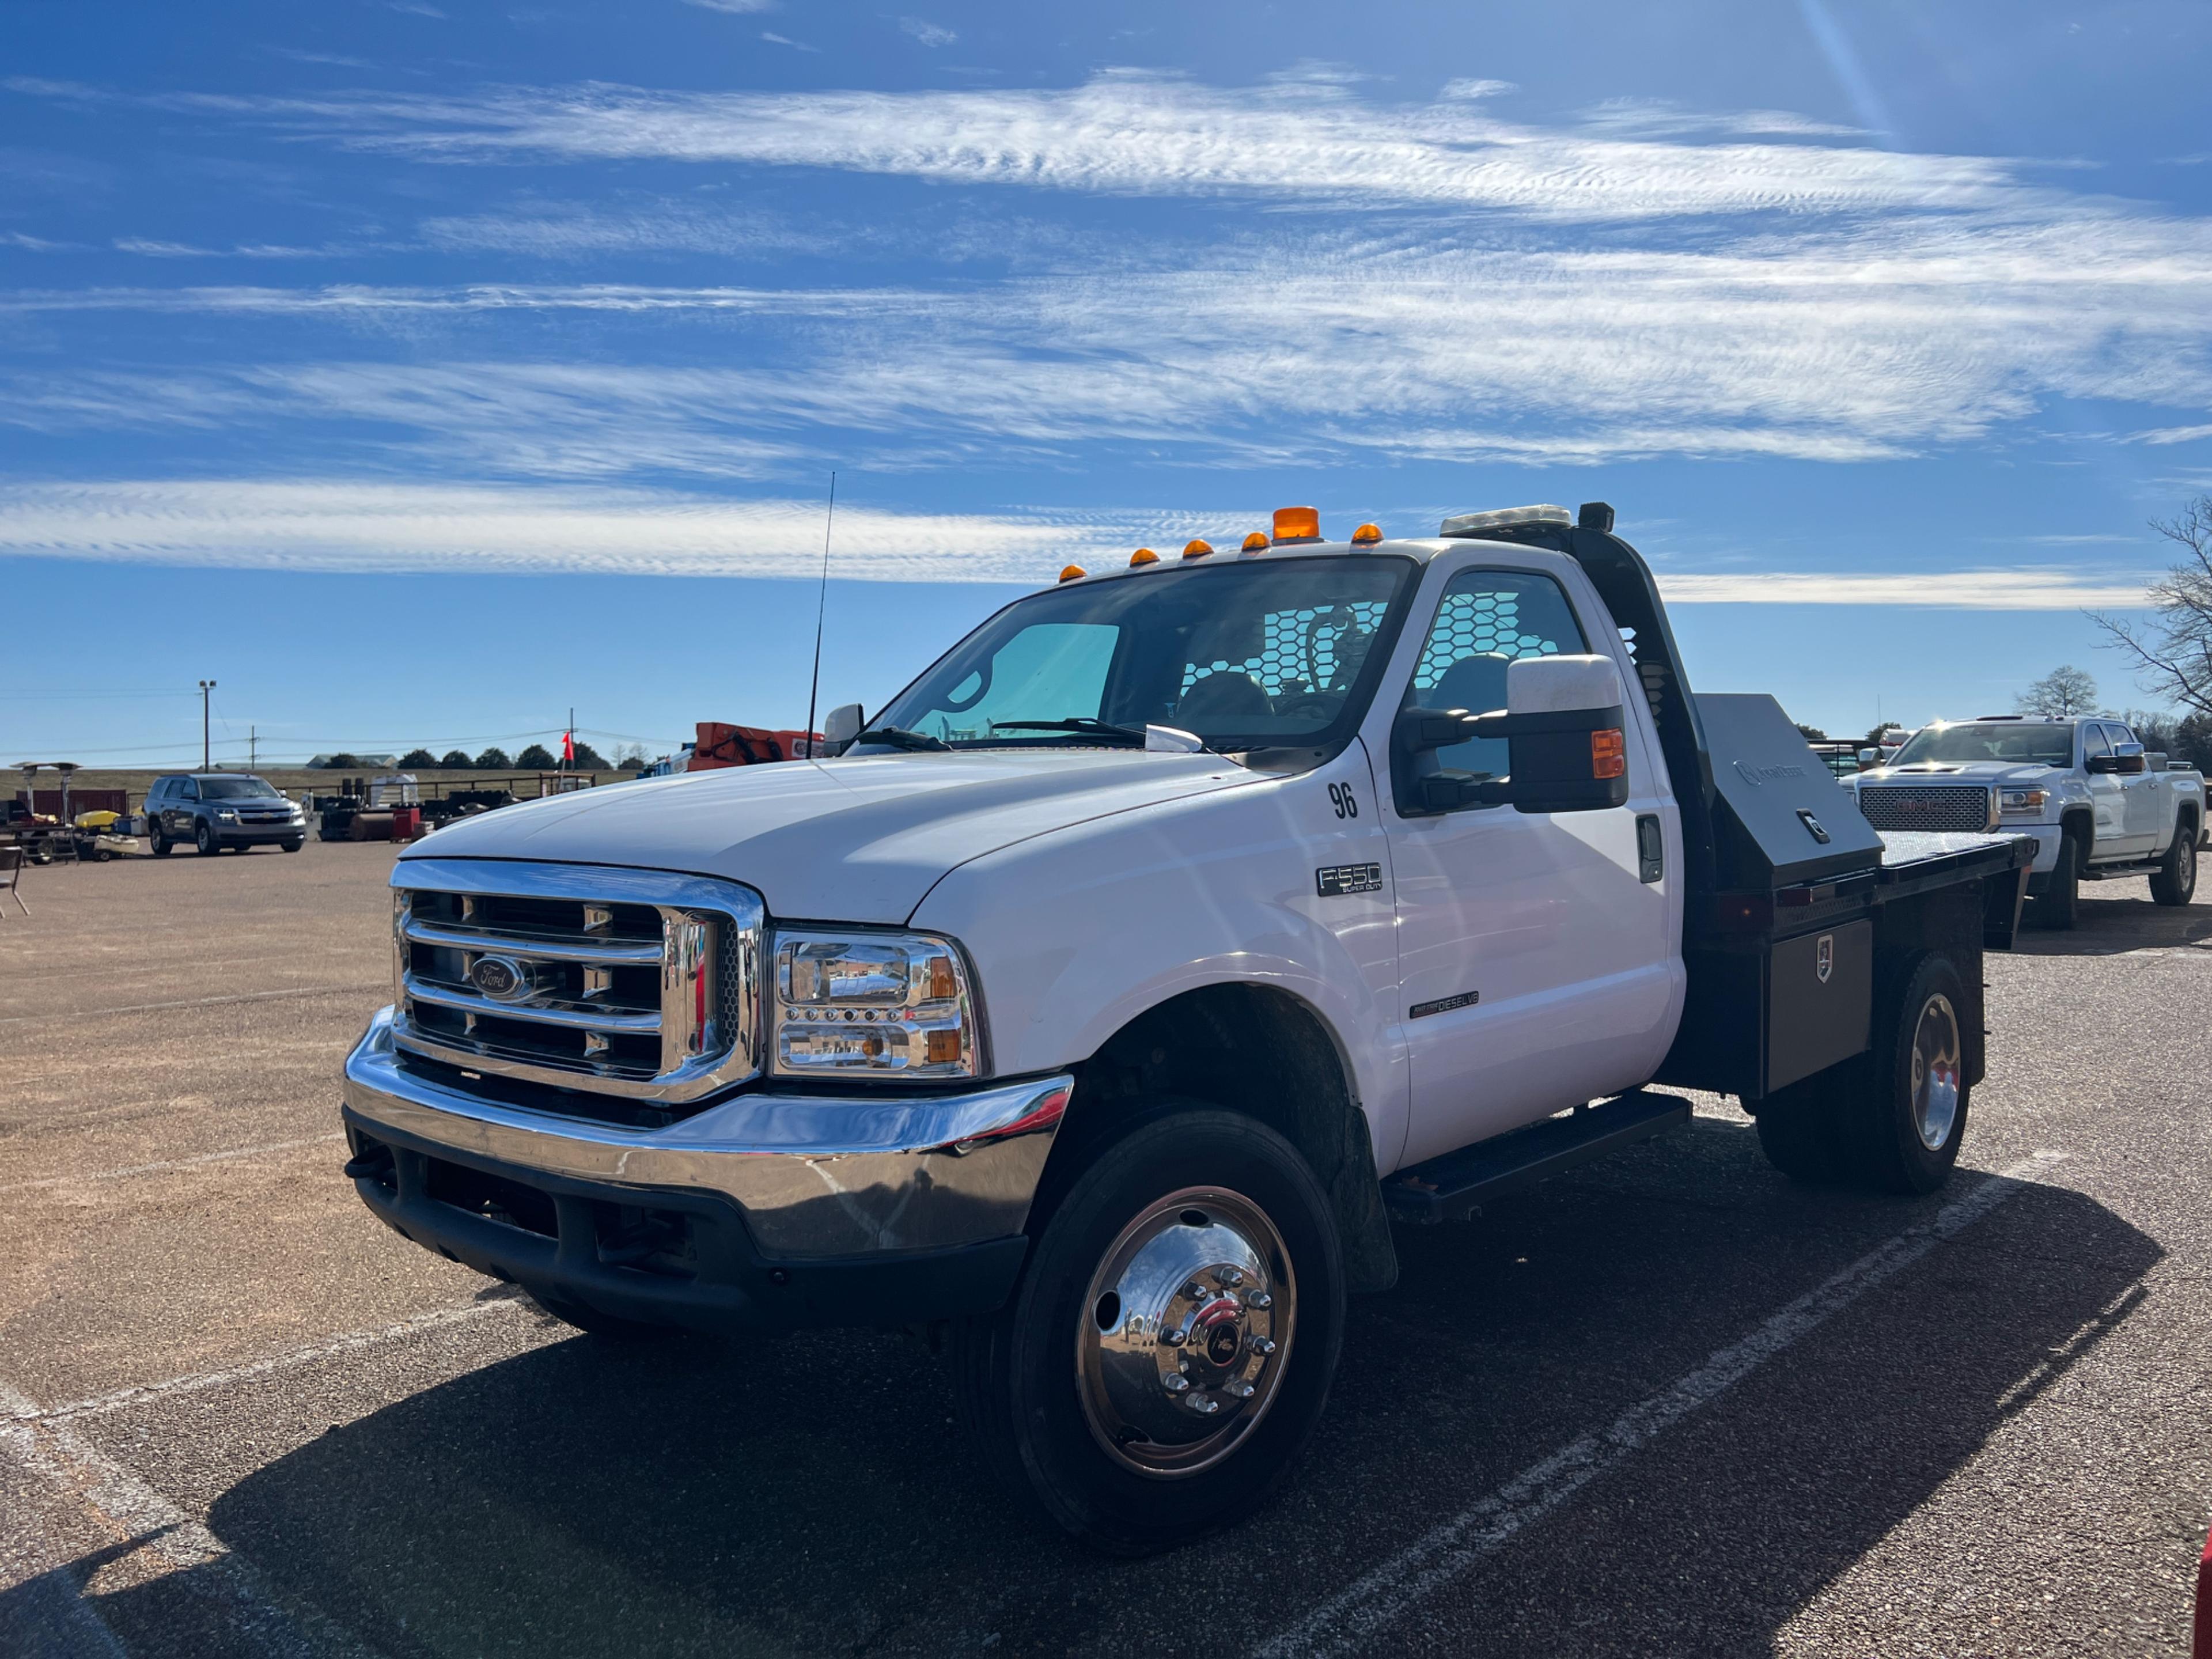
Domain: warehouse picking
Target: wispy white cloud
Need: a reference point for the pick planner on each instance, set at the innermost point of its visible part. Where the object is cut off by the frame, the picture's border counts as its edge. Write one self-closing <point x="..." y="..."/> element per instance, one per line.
<point x="327" y="524"/>
<point x="1132" y="134"/>
<point x="739" y="6"/>
<point x="2029" y="588"/>
<point x="929" y="33"/>
<point x="164" y="250"/>
<point x="1840" y="347"/>
<point x="1790" y="298"/>
<point x="775" y="40"/>
<point x="343" y="525"/>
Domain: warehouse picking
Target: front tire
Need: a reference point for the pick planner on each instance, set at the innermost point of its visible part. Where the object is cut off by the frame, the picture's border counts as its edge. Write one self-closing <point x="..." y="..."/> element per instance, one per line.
<point x="162" y="844"/>
<point x="1170" y="1347"/>
<point x="204" y="843"/>
<point x="2055" y="909"/>
<point x="2174" y="881"/>
<point x="295" y="844"/>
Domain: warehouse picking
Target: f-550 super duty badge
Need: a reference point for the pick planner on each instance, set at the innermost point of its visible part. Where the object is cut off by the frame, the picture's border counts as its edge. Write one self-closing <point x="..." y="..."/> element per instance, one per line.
<point x="1338" y="879"/>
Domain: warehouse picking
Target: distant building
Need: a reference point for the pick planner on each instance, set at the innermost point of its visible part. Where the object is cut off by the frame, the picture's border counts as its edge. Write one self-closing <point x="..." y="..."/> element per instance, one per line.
<point x="365" y="762"/>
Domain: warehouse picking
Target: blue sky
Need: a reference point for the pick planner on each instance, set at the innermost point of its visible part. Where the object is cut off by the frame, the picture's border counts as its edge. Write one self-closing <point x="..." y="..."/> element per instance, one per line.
<point x="418" y="371"/>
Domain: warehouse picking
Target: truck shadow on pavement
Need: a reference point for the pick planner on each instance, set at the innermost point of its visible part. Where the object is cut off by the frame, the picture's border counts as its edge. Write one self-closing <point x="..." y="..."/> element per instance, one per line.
<point x="2111" y="927"/>
<point x="810" y="1494"/>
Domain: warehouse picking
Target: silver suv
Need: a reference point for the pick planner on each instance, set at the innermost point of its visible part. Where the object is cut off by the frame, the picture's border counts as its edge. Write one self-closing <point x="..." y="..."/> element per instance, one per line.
<point x="217" y="810"/>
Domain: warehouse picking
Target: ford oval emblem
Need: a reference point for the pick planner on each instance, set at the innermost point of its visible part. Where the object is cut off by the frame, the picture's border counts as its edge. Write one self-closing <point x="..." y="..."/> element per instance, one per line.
<point x="501" y="978"/>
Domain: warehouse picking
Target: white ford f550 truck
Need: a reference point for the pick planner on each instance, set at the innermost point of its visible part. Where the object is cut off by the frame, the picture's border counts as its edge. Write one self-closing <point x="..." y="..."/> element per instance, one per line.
<point x="2096" y="804"/>
<point x="1107" y="997"/>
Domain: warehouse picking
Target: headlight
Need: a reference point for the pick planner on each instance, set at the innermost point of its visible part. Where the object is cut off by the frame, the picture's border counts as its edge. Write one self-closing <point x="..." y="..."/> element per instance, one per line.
<point x="226" y="815"/>
<point x="2024" y="800"/>
<point x="895" y="1004"/>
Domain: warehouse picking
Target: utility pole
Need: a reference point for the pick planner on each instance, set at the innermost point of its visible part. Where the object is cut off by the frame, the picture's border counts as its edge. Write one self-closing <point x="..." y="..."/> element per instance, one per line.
<point x="206" y="686"/>
<point x="253" y="749"/>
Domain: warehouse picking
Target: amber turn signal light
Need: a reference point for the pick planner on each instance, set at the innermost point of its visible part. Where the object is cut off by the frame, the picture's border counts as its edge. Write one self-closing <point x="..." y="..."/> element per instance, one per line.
<point x="1297" y="524"/>
<point x="1367" y="534"/>
<point x="1069" y="573"/>
<point x="1144" y="555"/>
<point x="1608" y="753"/>
<point x="1195" y="549"/>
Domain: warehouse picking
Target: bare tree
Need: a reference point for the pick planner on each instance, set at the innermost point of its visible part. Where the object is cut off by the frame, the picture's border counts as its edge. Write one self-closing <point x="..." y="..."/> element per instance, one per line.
<point x="2064" y="691"/>
<point x="2174" y="655"/>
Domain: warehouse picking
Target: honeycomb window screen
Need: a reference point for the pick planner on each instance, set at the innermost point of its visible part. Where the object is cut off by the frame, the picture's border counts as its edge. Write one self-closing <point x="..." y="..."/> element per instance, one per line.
<point x="1485" y="620"/>
<point x="1497" y="613"/>
<point x="1316" y="649"/>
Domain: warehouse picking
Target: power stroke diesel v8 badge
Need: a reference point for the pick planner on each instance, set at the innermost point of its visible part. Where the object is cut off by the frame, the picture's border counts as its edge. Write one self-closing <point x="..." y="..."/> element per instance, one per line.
<point x="1338" y="879"/>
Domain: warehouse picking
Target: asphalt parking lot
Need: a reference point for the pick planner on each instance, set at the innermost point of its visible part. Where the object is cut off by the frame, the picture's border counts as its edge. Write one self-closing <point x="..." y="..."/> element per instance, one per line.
<point x="1670" y="1404"/>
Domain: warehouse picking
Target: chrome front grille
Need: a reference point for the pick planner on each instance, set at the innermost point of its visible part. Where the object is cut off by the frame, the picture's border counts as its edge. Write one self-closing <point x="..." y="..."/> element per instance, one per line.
<point x="628" y="982"/>
<point x="1928" y="806"/>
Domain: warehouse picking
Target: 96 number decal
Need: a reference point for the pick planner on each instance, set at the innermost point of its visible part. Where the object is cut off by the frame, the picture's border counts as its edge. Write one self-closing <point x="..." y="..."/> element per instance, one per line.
<point x="1346" y="803"/>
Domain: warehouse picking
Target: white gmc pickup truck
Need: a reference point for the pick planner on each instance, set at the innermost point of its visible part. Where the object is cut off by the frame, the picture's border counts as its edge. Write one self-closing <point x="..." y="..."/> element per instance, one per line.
<point x="1104" y="1001"/>
<point x="2097" y="805"/>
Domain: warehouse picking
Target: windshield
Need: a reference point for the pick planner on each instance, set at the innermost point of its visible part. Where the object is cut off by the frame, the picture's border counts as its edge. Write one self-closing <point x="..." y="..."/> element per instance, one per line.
<point x="1278" y="653"/>
<point x="234" y="788"/>
<point x="2021" y="745"/>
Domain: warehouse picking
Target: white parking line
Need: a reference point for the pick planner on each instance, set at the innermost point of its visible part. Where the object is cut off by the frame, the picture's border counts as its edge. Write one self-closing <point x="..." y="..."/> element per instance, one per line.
<point x="197" y="1002"/>
<point x="13" y="1409"/>
<point x="1354" y="1617"/>
<point x="134" y="1512"/>
<point x="172" y="1164"/>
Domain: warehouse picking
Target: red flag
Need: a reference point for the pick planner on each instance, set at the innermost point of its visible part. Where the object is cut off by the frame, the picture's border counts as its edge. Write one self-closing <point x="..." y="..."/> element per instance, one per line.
<point x="568" y="748"/>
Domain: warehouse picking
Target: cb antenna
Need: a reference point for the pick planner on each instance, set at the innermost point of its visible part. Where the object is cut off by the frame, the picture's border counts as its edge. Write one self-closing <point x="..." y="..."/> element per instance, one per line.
<point x="821" y="605"/>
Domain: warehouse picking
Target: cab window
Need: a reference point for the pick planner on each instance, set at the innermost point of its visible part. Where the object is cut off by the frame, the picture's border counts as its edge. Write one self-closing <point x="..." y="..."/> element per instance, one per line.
<point x="1485" y="620"/>
<point x="2094" y="742"/>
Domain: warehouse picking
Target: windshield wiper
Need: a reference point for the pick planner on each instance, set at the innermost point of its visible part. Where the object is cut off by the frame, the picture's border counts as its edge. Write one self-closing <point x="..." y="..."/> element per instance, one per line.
<point x="1082" y="725"/>
<point x="897" y="737"/>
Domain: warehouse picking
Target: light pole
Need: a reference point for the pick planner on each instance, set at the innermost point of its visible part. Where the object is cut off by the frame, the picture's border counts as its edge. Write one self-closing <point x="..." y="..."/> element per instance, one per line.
<point x="206" y="686"/>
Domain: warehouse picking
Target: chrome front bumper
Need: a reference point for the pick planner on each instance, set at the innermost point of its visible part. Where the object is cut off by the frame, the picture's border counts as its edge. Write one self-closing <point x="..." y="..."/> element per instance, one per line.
<point x="814" y="1176"/>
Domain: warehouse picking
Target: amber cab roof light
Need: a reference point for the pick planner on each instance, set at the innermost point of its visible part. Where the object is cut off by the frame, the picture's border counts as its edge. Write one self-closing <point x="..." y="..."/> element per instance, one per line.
<point x="1143" y="556"/>
<point x="1070" y="572"/>
<point x="1256" y="542"/>
<point x="1297" y="524"/>
<point x="1367" y="534"/>
<point x="1195" y="549"/>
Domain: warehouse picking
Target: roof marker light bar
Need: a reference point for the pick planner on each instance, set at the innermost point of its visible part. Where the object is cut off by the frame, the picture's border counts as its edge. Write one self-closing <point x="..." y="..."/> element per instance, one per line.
<point x="1506" y="518"/>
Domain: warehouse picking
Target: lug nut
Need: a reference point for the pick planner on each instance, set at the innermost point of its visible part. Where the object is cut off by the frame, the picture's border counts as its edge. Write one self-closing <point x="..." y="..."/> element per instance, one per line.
<point x="1238" y="1387"/>
<point x="1263" y="1345"/>
<point x="1229" y="1278"/>
<point x="1203" y="1405"/>
<point x="1194" y="1291"/>
<point x="1260" y="1299"/>
<point x="1175" y="1383"/>
<point x="1172" y="1336"/>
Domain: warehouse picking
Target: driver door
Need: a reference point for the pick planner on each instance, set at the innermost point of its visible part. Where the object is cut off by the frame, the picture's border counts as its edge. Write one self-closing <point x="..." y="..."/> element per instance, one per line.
<point x="1537" y="961"/>
<point x="2108" y="796"/>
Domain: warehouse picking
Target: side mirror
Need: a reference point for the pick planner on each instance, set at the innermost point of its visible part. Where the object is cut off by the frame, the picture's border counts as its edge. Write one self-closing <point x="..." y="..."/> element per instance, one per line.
<point x="1566" y="742"/>
<point x="2130" y="758"/>
<point x="1870" y="757"/>
<point x="2102" y="765"/>
<point x="840" y="726"/>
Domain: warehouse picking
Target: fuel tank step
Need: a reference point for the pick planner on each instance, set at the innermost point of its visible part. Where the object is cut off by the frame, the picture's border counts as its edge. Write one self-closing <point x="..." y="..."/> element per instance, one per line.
<point x="1456" y="1186"/>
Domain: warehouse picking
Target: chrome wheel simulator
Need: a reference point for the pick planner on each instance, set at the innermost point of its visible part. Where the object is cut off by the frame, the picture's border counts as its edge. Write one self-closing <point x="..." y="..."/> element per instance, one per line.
<point x="1186" y="1330"/>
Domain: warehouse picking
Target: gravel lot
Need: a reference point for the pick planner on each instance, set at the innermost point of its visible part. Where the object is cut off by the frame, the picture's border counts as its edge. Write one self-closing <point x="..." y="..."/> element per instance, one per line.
<point x="1667" y="1405"/>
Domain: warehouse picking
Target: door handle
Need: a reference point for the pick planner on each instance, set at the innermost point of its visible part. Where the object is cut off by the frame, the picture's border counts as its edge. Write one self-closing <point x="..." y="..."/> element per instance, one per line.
<point x="1651" y="848"/>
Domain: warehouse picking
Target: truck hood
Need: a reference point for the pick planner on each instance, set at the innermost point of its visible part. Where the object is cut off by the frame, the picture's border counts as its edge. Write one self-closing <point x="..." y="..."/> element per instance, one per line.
<point x="2006" y="774"/>
<point x="859" y="840"/>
